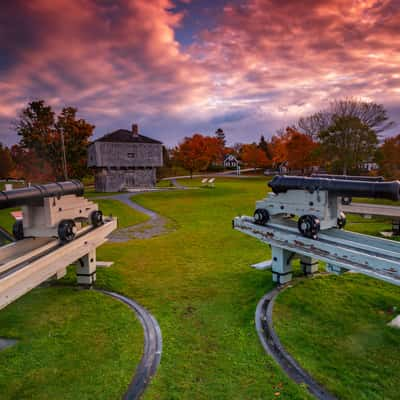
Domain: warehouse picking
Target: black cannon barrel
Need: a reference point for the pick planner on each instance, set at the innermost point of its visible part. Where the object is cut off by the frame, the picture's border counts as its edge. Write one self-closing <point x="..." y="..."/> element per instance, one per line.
<point x="36" y="193"/>
<point x="348" y="188"/>
<point x="350" y="177"/>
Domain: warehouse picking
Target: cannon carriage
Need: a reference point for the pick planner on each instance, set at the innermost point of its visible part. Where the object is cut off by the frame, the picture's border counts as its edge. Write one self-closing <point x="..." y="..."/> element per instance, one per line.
<point x="317" y="202"/>
<point x="52" y="210"/>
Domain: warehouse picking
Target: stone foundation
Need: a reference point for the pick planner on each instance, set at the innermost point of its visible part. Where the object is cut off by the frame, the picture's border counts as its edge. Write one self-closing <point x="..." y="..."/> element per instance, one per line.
<point x="120" y="179"/>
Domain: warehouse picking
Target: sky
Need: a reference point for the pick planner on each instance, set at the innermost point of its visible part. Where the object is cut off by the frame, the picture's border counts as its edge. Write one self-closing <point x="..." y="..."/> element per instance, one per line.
<point x="177" y="67"/>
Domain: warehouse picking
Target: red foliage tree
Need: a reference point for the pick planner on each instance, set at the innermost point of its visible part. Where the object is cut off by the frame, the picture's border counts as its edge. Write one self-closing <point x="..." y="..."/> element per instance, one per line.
<point x="297" y="149"/>
<point x="197" y="152"/>
<point x="389" y="157"/>
<point x="6" y="162"/>
<point x="29" y="166"/>
<point x="253" y="156"/>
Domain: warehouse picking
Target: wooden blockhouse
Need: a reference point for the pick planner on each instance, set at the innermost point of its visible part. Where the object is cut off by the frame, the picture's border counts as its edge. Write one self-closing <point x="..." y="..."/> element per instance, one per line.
<point x="124" y="159"/>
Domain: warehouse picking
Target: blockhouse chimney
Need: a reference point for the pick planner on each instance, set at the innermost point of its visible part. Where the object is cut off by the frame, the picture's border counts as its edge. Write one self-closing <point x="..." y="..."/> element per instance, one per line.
<point x="135" y="130"/>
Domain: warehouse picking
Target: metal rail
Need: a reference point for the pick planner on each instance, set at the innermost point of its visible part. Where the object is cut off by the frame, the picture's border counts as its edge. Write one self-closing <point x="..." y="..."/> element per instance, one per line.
<point x="375" y="257"/>
<point x="151" y="351"/>
<point x="372" y="209"/>
<point x="27" y="263"/>
<point x="272" y="346"/>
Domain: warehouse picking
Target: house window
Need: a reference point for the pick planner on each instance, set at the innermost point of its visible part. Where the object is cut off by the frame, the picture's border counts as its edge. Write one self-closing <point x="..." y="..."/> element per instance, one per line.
<point x="131" y="155"/>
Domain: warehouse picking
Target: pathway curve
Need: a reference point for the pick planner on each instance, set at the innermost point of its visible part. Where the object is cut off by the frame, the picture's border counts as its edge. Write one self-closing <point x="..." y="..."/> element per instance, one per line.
<point x="151" y="351"/>
<point x="272" y="345"/>
<point x="155" y="226"/>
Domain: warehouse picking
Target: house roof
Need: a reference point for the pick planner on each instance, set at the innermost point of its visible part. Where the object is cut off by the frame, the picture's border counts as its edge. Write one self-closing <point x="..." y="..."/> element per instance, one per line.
<point x="125" y="136"/>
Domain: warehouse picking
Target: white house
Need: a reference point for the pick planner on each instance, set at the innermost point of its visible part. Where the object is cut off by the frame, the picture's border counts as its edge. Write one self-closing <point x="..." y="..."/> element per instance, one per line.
<point x="230" y="161"/>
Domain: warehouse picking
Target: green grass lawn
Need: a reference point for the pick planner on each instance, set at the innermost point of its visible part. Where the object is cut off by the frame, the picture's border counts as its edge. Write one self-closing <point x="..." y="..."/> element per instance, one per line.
<point x="164" y="184"/>
<point x="126" y="215"/>
<point x="72" y="344"/>
<point x="6" y="220"/>
<point x="336" y="328"/>
<point x="197" y="282"/>
<point x="90" y="193"/>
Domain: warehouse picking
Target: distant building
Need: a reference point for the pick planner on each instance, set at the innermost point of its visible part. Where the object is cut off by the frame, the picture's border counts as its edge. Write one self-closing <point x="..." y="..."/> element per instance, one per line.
<point x="124" y="159"/>
<point x="230" y="161"/>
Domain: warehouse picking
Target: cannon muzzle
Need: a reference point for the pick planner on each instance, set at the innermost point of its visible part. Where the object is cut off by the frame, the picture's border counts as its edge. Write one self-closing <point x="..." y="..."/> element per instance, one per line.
<point x="350" y="177"/>
<point x="339" y="187"/>
<point x="34" y="195"/>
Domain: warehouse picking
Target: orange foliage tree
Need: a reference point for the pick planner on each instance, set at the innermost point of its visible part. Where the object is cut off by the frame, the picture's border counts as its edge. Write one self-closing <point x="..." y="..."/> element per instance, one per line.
<point x="29" y="166"/>
<point x="388" y="157"/>
<point x="253" y="156"/>
<point x="297" y="149"/>
<point x="196" y="153"/>
<point x="6" y="162"/>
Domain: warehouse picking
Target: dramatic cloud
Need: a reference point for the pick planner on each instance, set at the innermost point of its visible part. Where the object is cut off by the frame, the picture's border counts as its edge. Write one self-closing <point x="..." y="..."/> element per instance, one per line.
<point x="285" y="59"/>
<point x="249" y="68"/>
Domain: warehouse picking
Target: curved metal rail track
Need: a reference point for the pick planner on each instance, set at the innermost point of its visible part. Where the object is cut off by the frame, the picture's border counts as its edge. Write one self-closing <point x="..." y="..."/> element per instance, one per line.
<point x="273" y="346"/>
<point x="152" y="348"/>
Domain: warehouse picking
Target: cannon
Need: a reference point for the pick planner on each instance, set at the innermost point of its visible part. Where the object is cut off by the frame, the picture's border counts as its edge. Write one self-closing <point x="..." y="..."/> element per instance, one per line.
<point x="350" y="177"/>
<point x="317" y="201"/>
<point x="52" y="210"/>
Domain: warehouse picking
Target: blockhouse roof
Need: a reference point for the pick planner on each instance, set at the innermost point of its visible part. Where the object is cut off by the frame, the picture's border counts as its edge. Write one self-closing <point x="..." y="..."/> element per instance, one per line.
<point x="125" y="136"/>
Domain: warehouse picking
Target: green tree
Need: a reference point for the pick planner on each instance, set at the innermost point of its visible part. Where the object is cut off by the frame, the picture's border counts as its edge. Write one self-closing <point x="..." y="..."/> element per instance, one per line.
<point x="43" y="132"/>
<point x="370" y="114"/>
<point x="6" y="162"/>
<point x="348" y="142"/>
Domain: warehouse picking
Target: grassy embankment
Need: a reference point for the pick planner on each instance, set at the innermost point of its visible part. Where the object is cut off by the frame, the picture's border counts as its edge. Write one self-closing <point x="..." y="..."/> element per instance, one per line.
<point x="197" y="283"/>
<point x="72" y="344"/>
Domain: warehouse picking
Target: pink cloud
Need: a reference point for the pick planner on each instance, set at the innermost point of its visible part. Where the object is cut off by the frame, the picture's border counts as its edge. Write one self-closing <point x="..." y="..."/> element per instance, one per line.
<point x="266" y="62"/>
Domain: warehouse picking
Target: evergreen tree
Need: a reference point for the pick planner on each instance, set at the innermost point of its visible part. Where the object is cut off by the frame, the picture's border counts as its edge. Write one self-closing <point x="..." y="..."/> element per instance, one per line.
<point x="220" y="134"/>
<point x="263" y="145"/>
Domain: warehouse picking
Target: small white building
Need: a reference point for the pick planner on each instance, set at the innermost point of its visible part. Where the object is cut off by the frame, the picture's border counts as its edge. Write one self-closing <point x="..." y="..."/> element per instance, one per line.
<point x="230" y="161"/>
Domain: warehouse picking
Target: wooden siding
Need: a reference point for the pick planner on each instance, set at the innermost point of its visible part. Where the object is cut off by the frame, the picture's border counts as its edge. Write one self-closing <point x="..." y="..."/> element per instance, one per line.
<point x="124" y="155"/>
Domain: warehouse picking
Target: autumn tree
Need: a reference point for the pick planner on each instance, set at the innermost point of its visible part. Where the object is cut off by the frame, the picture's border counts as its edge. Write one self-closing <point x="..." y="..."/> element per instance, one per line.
<point x="44" y="133"/>
<point x="76" y="133"/>
<point x="294" y="148"/>
<point x="346" y="143"/>
<point x="253" y="156"/>
<point x="196" y="153"/>
<point x="388" y="157"/>
<point x="301" y="150"/>
<point x="29" y="166"/>
<point x="6" y="162"/>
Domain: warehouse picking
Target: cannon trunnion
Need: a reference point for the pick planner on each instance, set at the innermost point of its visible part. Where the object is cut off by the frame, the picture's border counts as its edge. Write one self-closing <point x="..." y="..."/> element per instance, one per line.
<point x="317" y="201"/>
<point x="52" y="210"/>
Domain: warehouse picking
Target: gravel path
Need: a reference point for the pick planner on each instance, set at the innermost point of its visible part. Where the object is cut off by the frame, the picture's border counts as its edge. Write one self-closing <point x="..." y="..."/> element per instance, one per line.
<point x="155" y="226"/>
